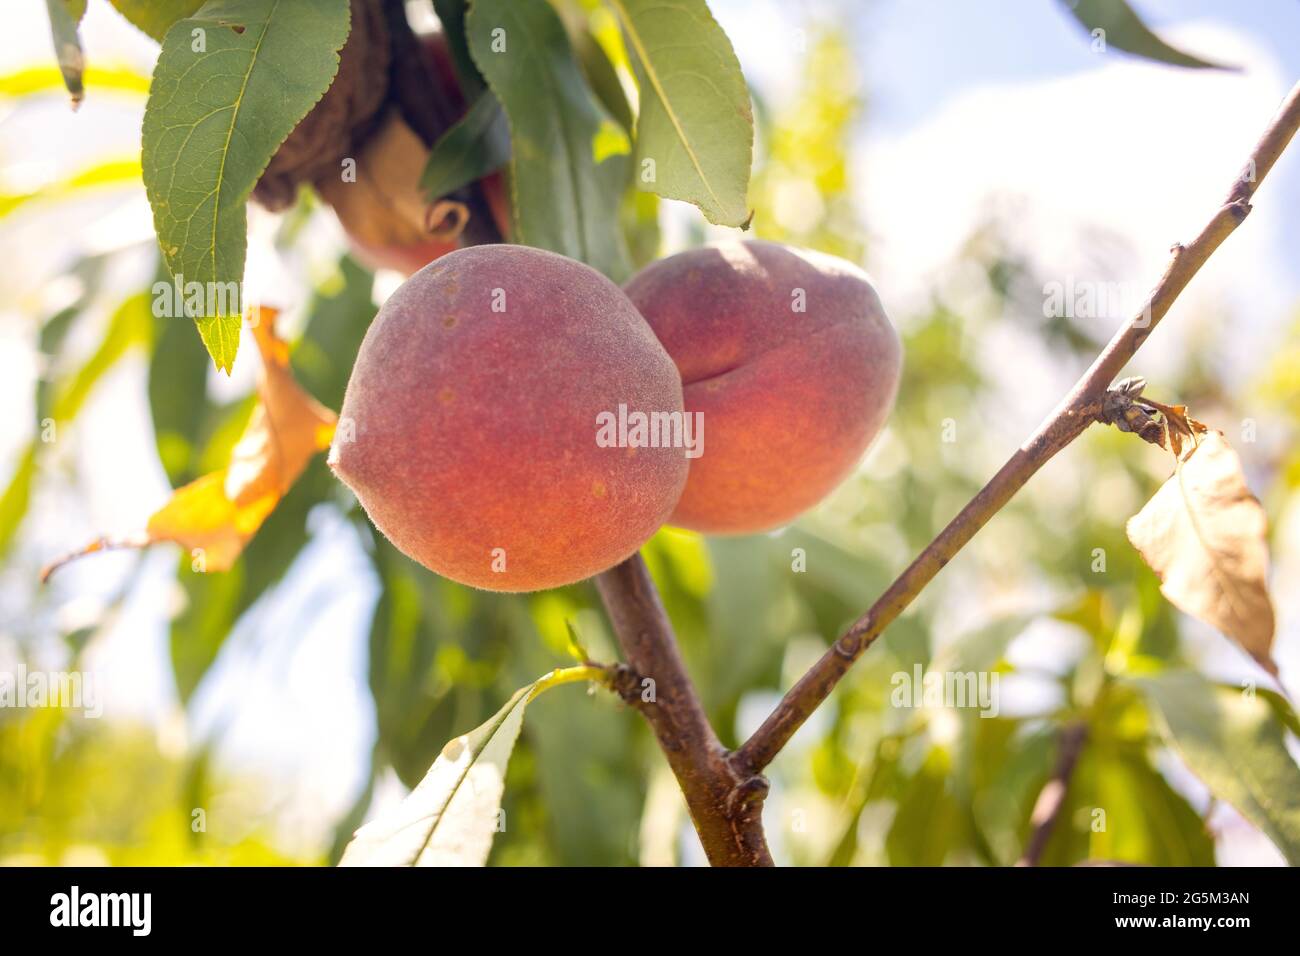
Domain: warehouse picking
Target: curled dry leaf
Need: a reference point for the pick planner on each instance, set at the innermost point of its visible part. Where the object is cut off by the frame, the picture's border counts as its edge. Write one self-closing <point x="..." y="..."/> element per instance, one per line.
<point x="385" y="206"/>
<point x="1204" y="534"/>
<point x="221" y="511"/>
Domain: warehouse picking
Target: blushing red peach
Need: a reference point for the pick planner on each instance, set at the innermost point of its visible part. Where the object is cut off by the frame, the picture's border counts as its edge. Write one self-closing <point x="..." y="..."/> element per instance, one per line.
<point x="469" y="427"/>
<point x="790" y="358"/>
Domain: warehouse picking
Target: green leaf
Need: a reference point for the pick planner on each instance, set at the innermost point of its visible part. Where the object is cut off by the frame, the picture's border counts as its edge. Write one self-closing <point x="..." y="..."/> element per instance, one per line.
<point x="929" y="820"/>
<point x="155" y="17"/>
<point x="338" y="316"/>
<point x="1123" y="29"/>
<point x="603" y="79"/>
<point x="568" y="155"/>
<point x="217" y="602"/>
<point x="1236" y="744"/>
<point x="450" y="817"/>
<point x="17" y="496"/>
<point x="64" y="17"/>
<point x="41" y="79"/>
<point x="130" y="325"/>
<point x="980" y="650"/>
<point x="215" y="117"/>
<point x="695" y="134"/>
<point x="60" y="402"/>
<point x="451" y="14"/>
<point x="109" y="173"/>
<point x="476" y="145"/>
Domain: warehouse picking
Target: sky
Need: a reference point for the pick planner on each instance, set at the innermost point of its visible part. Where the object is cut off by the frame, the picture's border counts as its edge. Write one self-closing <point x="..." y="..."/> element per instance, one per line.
<point x="996" y="108"/>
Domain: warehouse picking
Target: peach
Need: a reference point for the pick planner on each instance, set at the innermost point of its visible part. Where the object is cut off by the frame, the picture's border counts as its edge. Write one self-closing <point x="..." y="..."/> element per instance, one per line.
<point x="790" y="358"/>
<point x="469" y="430"/>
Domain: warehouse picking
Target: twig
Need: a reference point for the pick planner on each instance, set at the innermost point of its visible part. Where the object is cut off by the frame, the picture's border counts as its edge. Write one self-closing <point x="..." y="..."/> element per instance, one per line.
<point x="1080" y="408"/>
<point x="726" y="807"/>
<point x="1051" y="799"/>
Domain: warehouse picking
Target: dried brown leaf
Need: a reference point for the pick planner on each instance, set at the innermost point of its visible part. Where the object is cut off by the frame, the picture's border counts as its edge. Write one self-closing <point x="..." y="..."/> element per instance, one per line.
<point x="1204" y="534"/>
<point x="221" y="511"/>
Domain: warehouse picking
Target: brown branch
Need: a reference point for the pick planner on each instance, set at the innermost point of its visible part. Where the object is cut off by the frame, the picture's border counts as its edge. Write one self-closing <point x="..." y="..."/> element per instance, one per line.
<point x="725" y="807"/>
<point x="1051" y="799"/>
<point x="1079" y="409"/>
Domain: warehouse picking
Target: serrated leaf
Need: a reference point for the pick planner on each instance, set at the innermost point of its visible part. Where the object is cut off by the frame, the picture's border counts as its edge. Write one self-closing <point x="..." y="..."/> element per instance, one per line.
<point x="1234" y="742"/>
<point x="696" y="122"/>
<point x="478" y="144"/>
<point x="65" y="15"/>
<point x="1205" y="535"/>
<point x="214" y="119"/>
<point x="450" y="817"/>
<point x="1123" y="29"/>
<point x="565" y="195"/>
<point x="155" y="17"/>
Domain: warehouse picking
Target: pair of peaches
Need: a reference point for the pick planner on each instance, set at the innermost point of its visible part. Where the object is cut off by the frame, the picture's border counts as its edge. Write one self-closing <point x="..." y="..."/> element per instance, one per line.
<point x="471" y="431"/>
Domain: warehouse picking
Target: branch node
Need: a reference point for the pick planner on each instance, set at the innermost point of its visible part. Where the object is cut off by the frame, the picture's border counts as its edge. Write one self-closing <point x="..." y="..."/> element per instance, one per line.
<point x="626" y="683"/>
<point x="849" y="646"/>
<point x="1123" y="407"/>
<point x="747" y="797"/>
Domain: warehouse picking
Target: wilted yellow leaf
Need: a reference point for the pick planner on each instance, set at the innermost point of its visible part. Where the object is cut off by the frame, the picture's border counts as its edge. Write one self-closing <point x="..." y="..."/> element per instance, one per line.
<point x="218" y="513"/>
<point x="1204" y="534"/>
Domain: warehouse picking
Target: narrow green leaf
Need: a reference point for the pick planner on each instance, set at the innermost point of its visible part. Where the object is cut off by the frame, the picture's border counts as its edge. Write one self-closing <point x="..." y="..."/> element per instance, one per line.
<point x="1123" y="29"/>
<point x="17" y="495"/>
<point x="568" y="155"/>
<point x="603" y="79"/>
<point x="450" y="817"/>
<point x="476" y="145"/>
<point x="231" y="83"/>
<point x="65" y="15"/>
<point x="451" y="14"/>
<point x="61" y="401"/>
<point x="1236" y="744"/>
<point x="695" y="134"/>
<point x="130" y="325"/>
<point x="155" y="17"/>
<point x="43" y="79"/>
<point x="980" y="650"/>
<point x="113" y="172"/>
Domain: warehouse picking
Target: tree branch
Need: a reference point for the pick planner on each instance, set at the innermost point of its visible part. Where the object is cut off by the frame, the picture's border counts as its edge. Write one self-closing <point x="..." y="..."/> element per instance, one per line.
<point x="1079" y="409"/>
<point x="725" y="807"/>
<point x="1051" y="799"/>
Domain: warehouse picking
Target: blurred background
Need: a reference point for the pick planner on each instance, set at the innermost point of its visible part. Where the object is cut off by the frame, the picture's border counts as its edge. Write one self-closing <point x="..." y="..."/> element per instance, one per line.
<point x="969" y="156"/>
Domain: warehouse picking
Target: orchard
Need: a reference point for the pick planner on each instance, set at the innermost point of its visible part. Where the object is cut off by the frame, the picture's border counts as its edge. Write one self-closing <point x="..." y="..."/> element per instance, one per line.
<point x="391" y="372"/>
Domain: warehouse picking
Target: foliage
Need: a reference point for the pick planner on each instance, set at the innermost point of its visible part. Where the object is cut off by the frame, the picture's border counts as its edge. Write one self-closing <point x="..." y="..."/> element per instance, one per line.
<point x="870" y="781"/>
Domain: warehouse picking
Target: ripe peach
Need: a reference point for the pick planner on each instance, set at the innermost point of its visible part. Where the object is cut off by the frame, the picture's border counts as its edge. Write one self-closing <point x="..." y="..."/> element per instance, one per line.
<point x="469" y="430"/>
<point x="790" y="358"/>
